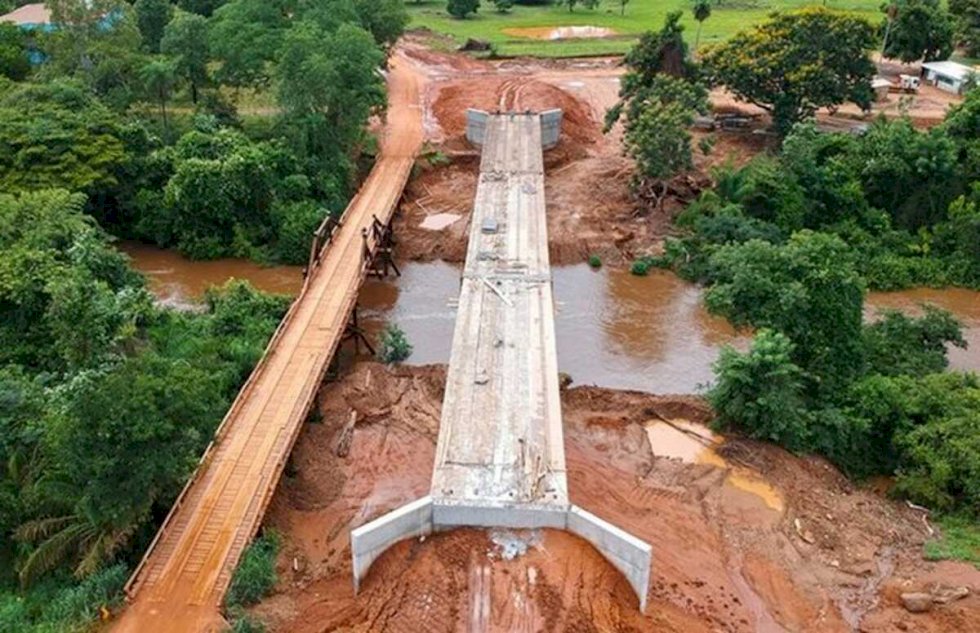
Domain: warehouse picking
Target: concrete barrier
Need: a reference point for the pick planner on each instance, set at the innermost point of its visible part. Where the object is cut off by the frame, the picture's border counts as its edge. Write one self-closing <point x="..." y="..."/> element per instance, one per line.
<point x="550" y="128"/>
<point x="476" y="126"/>
<point x="371" y="539"/>
<point x="628" y="554"/>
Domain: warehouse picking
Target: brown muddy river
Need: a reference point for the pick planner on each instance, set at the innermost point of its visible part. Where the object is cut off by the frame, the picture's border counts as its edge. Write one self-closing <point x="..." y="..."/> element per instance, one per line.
<point x="613" y="329"/>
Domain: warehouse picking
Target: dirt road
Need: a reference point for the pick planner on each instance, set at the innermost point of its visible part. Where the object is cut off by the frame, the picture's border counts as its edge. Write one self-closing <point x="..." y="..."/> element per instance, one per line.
<point x="182" y="581"/>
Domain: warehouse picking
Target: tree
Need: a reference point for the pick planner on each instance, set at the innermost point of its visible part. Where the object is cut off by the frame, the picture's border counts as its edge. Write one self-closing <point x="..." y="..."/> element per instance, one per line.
<point x="898" y="345"/>
<point x="460" y="9"/>
<point x="57" y="135"/>
<point x="123" y="440"/>
<point x="797" y="62"/>
<point x="701" y="11"/>
<point x="921" y="29"/>
<point x="245" y="36"/>
<point x="807" y="289"/>
<point x="14" y="63"/>
<point x="152" y="17"/>
<point x="186" y="41"/>
<point x="328" y="87"/>
<point x="657" y="53"/>
<point x="158" y="80"/>
<point x="966" y="14"/>
<point x="622" y="6"/>
<point x="760" y="393"/>
<point x="656" y="129"/>
<point x="384" y="19"/>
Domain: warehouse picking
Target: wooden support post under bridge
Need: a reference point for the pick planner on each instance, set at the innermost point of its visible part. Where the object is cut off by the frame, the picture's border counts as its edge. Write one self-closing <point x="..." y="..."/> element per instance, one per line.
<point x="379" y="259"/>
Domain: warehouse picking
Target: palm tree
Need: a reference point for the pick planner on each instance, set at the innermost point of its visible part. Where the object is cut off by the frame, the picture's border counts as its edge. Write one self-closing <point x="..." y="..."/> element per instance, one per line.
<point x="702" y="11"/>
<point x="71" y="537"/>
<point x="158" y="79"/>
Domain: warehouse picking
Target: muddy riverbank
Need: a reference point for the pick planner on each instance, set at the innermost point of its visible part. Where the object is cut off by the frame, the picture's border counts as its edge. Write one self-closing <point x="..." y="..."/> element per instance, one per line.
<point x="748" y="539"/>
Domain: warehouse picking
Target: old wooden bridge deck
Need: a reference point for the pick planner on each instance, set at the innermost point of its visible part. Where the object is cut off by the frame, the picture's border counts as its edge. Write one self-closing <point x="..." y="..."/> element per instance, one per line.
<point x="181" y="582"/>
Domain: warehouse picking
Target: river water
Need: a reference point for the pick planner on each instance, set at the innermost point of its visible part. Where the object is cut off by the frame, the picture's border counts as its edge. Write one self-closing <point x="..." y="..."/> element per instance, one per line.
<point x="613" y="329"/>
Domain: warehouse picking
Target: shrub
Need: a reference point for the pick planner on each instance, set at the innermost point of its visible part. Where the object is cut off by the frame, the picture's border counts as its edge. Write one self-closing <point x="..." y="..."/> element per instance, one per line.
<point x="256" y="573"/>
<point x="594" y="261"/>
<point x="394" y="345"/>
<point x="641" y="267"/>
<point x="760" y="392"/>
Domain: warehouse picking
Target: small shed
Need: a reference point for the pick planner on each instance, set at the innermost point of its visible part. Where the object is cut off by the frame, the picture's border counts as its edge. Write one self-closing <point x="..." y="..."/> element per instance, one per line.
<point x="949" y="76"/>
<point x="881" y="87"/>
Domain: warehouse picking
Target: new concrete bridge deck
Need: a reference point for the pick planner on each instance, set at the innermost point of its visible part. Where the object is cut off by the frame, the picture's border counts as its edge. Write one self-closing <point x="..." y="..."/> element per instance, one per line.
<point x="500" y="458"/>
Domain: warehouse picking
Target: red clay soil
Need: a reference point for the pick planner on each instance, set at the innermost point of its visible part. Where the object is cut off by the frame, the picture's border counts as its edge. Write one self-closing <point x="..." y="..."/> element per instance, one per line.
<point x="590" y="207"/>
<point x="832" y="558"/>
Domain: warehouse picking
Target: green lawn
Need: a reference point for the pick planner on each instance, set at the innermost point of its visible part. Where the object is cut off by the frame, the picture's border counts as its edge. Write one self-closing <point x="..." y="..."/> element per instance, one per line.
<point x="641" y="15"/>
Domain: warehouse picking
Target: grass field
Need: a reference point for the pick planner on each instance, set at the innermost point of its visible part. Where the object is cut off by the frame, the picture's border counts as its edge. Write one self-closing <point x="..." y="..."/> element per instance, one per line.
<point x="641" y="15"/>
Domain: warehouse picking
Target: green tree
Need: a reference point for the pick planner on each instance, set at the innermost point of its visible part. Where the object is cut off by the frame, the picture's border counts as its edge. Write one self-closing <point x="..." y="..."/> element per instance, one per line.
<point x="152" y="17"/>
<point x="328" y="87"/>
<point x="898" y="345"/>
<point x="147" y="411"/>
<point x="460" y="9"/>
<point x="394" y="345"/>
<point x="797" y="62"/>
<point x="159" y="77"/>
<point x="657" y="53"/>
<point x="921" y="29"/>
<point x="760" y="393"/>
<point x="106" y="59"/>
<point x="185" y="40"/>
<point x="245" y="36"/>
<point x="57" y="135"/>
<point x="384" y="19"/>
<point x="701" y="12"/>
<point x="807" y="289"/>
<point x="966" y="16"/>
<point x="656" y="129"/>
<point x="13" y="52"/>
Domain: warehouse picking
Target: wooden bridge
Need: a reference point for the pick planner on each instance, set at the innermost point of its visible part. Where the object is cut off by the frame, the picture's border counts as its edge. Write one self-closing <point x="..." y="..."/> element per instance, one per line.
<point x="181" y="581"/>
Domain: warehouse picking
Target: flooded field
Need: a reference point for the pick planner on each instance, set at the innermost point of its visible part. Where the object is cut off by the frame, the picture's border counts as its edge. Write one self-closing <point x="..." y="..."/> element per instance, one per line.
<point x="614" y="329"/>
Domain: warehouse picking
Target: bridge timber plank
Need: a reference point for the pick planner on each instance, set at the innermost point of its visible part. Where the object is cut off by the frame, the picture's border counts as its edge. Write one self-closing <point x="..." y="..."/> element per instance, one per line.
<point x="181" y="582"/>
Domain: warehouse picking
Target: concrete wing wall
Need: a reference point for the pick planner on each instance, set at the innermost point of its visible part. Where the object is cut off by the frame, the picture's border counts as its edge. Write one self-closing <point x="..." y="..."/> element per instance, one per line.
<point x="627" y="553"/>
<point x="476" y="126"/>
<point x="371" y="539"/>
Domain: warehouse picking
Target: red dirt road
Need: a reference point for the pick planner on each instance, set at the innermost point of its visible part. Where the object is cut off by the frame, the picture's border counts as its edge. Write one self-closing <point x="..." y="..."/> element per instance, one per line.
<point x="180" y="585"/>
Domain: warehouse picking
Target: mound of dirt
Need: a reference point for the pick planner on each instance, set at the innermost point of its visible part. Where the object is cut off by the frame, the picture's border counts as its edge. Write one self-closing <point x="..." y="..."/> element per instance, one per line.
<point x="832" y="558"/>
<point x="514" y="93"/>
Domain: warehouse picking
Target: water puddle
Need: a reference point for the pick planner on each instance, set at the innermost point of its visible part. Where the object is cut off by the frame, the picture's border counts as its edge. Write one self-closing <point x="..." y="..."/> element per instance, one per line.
<point x="695" y="444"/>
<point x="560" y="32"/>
<point x="439" y="221"/>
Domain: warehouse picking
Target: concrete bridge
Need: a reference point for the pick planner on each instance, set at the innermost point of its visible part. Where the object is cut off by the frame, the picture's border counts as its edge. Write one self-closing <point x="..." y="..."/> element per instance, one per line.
<point x="500" y="457"/>
<point x="181" y="582"/>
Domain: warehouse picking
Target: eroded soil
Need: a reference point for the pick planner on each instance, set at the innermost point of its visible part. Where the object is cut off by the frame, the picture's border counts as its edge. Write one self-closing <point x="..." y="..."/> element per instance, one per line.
<point x="829" y="557"/>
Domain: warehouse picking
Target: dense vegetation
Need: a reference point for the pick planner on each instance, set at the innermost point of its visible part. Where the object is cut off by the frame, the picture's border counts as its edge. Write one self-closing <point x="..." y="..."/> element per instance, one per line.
<point x="121" y="121"/>
<point x="788" y="244"/>
<point x="133" y="110"/>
